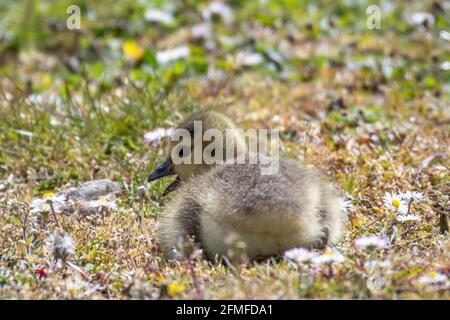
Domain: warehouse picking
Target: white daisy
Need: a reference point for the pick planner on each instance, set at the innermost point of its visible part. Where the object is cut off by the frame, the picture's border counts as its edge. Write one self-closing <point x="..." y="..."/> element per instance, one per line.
<point x="154" y="138"/>
<point x="174" y="54"/>
<point x="219" y="9"/>
<point x="444" y="35"/>
<point x="394" y="201"/>
<point x="408" y="217"/>
<point x="372" y="264"/>
<point x="245" y="58"/>
<point x="300" y="254"/>
<point x="411" y="195"/>
<point x="200" y="30"/>
<point x="445" y="65"/>
<point x="419" y="18"/>
<point x="155" y="15"/>
<point x="371" y="242"/>
<point x="43" y="205"/>
<point x="433" y="278"/>
<point x="103" y="202"/>
<point x="329" y="256"/>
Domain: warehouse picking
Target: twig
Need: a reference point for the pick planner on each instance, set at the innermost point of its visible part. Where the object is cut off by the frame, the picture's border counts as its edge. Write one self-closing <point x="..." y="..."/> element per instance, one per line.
<point x="54" y="214"/>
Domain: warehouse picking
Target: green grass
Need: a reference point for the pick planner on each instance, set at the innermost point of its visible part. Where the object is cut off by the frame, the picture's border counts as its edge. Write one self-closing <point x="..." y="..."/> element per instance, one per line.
<point x="87" y="107"/>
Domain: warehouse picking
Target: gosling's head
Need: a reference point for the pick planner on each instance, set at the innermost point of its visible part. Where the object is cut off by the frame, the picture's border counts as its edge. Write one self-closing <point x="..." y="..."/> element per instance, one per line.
<point x="191" y="144"/>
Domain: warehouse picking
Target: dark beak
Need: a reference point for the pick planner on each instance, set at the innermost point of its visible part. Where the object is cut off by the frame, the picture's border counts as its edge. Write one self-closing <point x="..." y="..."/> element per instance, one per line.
<point x="165" y="169"/>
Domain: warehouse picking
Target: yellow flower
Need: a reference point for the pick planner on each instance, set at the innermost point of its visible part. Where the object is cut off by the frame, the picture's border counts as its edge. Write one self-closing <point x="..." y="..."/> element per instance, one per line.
<point x="46" y="80"/>
<point x="132" y="51"/>
<point x="48" y="195"/>
<point x="175" y="288"/>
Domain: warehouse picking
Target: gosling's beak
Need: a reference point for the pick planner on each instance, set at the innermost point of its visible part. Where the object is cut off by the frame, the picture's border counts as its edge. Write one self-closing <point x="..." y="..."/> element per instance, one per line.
<point x="165" y="169"/>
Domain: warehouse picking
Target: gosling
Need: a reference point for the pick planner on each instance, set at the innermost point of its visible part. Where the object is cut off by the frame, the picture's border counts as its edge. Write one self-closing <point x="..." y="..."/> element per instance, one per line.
<point x="269" y="214"/>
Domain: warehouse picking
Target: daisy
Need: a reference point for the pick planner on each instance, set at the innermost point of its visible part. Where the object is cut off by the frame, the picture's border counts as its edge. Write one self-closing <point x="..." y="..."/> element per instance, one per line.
<point x="200" y="30"/>
<point x="408" y="217"/>
<point x="154" y="138"/>
<point x="43" y="205"/>
<point x="300" y="254"/>
<point x="244" y="58"/>
<point x="329" y="256"/>
<point x="371" y="242"/>
<point x="433" y="277"/>
<point x="411" y="195"/>
<point x="174" y="54"/>
<point x="419" y="18"/>
<point x="445" y="65"/>
<point x="219" y="9"/>
<point x="394" y="201"/>
<point x="155" y="15"/>
<point x="444" y="35"/>
<point x="371" y="264"/>
<point x="103" y="202"/>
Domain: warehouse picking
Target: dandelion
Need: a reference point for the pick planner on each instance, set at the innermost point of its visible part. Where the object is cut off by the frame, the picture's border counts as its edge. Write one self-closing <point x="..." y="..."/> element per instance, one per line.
<point x="174" y="54"/>
<point x="394" y="201"/>
<point x="328" y="257"/>
<point x="300" y="254"/>
<point x="433" y="278"/>
<point x="371" y="242"/>
<point x="155" y="15"/>
<point x="154" y="138"/>
<point x="175" y="288"/>
<point x="132" y="51"/>
<point x="408" y="217"/>
<point x="60" y="244"/>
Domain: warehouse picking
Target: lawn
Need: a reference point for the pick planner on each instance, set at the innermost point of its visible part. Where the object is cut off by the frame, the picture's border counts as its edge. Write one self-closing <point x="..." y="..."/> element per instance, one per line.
<point x="369" y="107"/>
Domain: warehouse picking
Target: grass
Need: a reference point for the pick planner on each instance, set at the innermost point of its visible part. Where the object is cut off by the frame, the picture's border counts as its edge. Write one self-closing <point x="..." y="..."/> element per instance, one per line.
<point x="367" y="107"/>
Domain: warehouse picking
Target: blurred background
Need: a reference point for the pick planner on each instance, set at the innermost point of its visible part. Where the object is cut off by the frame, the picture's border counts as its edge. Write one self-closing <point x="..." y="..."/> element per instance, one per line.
<point x="88" y="90"/>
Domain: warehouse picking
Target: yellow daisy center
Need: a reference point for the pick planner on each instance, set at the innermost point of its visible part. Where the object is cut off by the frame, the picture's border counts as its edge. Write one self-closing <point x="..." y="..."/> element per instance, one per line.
<point x="432" y="275"/>
<point x="395" y="203"/>
<point x="48" y="195"/>
<point x="328" y="253"/>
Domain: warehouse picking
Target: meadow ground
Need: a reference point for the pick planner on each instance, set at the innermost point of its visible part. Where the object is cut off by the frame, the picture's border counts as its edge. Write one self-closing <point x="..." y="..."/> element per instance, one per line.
<point x="368" y="107"/>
